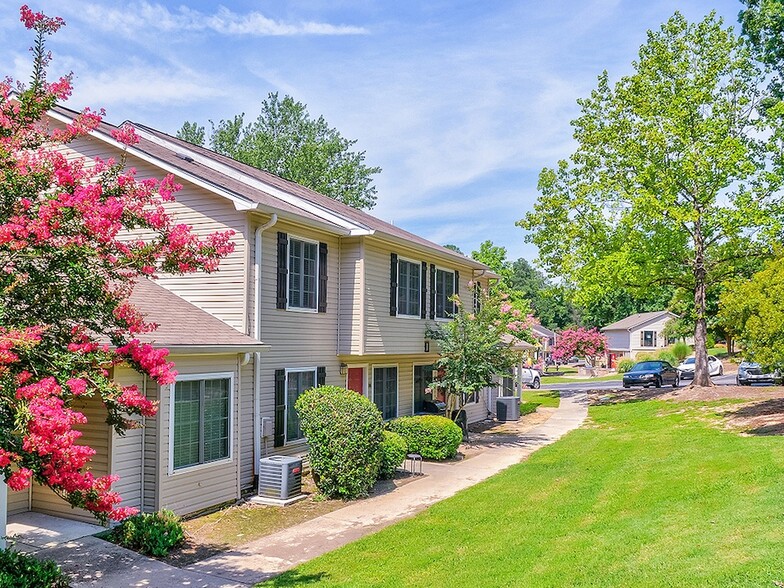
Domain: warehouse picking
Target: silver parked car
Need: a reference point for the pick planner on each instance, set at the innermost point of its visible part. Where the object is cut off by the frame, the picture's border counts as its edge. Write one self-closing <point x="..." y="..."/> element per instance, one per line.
<point x="686" y="368"/>
<point x="751" y="373"/>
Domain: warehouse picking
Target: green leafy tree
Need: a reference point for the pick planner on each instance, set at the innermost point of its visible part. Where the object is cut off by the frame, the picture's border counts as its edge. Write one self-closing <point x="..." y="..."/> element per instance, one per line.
<point x="754" y="311"/>
<point x="763" y="26"/>
<point x="673" y="181"/>
<point x="477" y="345"/>
<point x="285" y="140"/>
<point x="454" y="248"/>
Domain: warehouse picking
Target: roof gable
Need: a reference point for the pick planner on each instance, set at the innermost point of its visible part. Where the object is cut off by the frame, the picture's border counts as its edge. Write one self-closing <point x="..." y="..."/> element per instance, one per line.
<point x="636" y="320"/>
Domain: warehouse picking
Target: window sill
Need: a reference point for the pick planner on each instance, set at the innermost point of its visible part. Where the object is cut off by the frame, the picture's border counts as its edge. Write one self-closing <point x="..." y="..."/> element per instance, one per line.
<point x="305" y="310"/>
<point x="410" y="317"/>
<point x="296" y="443"/>
<point x="201" y="466"/>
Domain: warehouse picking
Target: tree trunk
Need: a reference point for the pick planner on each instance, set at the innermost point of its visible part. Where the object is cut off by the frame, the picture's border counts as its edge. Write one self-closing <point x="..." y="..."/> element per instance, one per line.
<point x="701" y="374"/>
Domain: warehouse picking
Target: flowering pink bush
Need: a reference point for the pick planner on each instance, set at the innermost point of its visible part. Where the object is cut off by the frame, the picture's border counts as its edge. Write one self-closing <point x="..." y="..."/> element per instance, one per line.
<point x="582" y="342"/>
<point x="67" y="271"/>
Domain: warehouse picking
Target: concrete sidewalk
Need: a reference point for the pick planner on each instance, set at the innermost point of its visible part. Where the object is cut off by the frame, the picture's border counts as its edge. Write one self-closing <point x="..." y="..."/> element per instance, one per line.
<point x="97" y="563"/>
<point x="274" y="554"/>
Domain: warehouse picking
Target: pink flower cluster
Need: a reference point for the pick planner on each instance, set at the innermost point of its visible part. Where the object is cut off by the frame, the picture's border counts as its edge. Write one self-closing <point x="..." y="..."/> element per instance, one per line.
<point x="39" y="21"/>
<point x="580" y="342"/>
<point x="151" y="360"/>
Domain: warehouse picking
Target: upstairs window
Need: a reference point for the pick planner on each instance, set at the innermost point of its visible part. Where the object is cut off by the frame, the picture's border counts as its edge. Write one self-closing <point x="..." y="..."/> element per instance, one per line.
<point x="444" y="290"/>
<point x="648" y="338"/>
<point x="409" y="288"/>
<point x="302" y="274"/>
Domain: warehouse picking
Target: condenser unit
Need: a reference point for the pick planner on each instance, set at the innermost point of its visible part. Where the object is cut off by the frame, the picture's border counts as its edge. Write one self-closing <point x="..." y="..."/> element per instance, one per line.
<point x="507" y="408"/>
<point x="280" y="479"/>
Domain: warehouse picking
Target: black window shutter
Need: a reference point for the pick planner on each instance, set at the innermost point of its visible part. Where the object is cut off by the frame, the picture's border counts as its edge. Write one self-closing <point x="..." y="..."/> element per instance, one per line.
<point x="280" y="408"/>
<point x="457" y="290"/>
<point x="322" y="278"/>
<point x="393" y="284"/>
<point x="432" y="292"/>
<point x="321" y="376"/>
<point x="283" y="263"/>
<point x="423" y="291"/>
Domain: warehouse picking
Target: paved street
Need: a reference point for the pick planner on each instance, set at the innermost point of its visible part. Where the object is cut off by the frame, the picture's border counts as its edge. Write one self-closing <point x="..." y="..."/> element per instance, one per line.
<point x="725" y="380"/>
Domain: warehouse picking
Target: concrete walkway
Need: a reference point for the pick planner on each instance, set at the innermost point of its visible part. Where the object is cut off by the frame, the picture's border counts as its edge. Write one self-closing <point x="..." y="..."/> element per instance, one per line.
<point x="98" y="563"/>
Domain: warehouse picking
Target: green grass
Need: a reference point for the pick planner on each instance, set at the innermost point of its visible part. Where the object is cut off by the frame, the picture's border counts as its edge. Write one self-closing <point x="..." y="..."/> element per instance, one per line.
<point x="542" y="397"/>
<point x="650" y="494"/>
<point x="567" y="380"/>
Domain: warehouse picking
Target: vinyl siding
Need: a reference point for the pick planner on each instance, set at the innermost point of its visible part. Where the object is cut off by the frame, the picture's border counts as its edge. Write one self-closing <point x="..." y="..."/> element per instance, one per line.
<point x="192" y="489"/>
<point x="96" y="434"/>
<point x="223" y="294"/>
<point x="299" y="339"/>
<point x="18" y="502"/>
<point x="394" y="335"/>
<point x="617" y="340"/>
<point x="352" y="267"/>
<point x="127" y="448"/>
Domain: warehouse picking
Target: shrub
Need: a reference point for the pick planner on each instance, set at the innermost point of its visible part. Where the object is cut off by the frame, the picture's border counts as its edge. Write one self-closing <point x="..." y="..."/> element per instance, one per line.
<point x="681" y="350"/>
<point x="154" y="533"/>
<point x="20" y="570"/>
<point x="431" y="436"/>
<point x="393" y="452"/>
<point x="528" y="407"/>
<point x="668" y="356"/>
<point x="710" y="340"/>
<point x="344" y="431"/>
<point x="625" y="364"/>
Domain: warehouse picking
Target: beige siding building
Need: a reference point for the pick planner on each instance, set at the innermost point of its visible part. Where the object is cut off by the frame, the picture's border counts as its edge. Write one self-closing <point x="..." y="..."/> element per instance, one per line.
<point x="314" y="292"/>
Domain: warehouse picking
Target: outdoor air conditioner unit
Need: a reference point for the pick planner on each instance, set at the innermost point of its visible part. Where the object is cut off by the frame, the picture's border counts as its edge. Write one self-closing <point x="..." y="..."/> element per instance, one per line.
<point x="280" y="478"/>
<point x="507" y="408"/>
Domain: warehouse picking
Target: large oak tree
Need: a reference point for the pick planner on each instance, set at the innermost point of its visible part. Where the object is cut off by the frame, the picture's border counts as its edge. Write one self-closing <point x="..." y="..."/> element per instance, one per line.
<point x="674" y="180"/>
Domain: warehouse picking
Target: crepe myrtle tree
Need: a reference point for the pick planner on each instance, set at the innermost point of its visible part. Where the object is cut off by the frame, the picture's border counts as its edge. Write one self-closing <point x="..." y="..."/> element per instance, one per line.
<point x="68" y="268"/>
<point x="580" y="342"/>
<point x="476" y="345"/>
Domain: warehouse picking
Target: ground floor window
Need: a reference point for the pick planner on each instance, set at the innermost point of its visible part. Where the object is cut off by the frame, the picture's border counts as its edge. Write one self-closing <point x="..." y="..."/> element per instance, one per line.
<point x="385" y="391"/>
<point x="296" y="383"/>
<point x="201" y="421"/>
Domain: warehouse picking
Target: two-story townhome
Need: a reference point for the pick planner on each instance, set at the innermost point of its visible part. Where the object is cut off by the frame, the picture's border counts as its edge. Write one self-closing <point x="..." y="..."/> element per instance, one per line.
<point x="336" y="295"/>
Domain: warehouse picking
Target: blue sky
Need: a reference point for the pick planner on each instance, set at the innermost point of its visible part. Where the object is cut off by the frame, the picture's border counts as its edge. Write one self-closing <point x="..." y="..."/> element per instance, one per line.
<point x="461" y="103"/>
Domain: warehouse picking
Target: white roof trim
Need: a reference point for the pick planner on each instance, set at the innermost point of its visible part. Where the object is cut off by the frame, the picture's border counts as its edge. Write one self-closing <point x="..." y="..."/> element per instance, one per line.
<point x="315" y="209"/>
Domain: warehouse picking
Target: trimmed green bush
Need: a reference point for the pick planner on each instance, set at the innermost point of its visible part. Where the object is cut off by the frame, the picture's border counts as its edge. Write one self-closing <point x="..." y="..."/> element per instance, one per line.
<point x="393" y="453"/>
<point x="528" y="407"/>
<point x="681" y="350"/>
<point x="20" y="570"/>
<point x="625" y="364"/>
<point x="344" y="432"/>
<point x="155" y="533"/>
<point x="431" y="436"/>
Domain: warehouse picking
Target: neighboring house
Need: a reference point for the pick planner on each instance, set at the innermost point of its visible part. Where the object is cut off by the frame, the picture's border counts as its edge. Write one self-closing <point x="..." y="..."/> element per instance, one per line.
<point x="635" y="334"/>
<point x="547" y="340"/>
<point x="336" y="295"/>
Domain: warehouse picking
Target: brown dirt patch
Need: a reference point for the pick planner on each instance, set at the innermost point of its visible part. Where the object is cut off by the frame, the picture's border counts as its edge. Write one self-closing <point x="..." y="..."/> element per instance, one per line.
<point x="493" y="433"/>
<point x="724" y="393"/>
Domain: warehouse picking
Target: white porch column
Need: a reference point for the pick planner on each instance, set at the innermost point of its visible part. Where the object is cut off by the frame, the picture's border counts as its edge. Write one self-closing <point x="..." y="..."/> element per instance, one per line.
<point x="3" y="511"/>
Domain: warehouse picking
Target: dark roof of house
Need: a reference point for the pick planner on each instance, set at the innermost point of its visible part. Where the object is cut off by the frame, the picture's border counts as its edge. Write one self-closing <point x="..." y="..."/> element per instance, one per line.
<point x="183" y="326"/>
<point x="174" y="153"/>
<point x="543" y="331"/>
<point x="635" y="320"/>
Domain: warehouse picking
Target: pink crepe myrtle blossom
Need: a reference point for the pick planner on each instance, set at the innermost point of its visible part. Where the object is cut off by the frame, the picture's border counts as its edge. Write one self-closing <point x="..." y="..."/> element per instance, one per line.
<point x="70" y="217"/>
<point x="581" y="342"/>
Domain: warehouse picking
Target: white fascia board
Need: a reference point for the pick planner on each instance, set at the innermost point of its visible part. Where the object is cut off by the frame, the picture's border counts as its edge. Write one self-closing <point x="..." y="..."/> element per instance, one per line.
<point x="240" y="202"/>
<point x="437" y="253"/>
<point x="301" y="220"/>
<point x="216" y="349"/>
<point x="301" y="203"/>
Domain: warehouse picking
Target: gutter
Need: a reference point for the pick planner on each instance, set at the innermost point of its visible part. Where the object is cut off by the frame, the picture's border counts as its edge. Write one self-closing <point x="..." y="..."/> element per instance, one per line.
<point x="257" y="335"/>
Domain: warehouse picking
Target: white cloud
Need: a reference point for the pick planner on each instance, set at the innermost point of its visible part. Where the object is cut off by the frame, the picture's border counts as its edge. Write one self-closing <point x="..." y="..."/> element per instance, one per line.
<point x="137" y="16"/>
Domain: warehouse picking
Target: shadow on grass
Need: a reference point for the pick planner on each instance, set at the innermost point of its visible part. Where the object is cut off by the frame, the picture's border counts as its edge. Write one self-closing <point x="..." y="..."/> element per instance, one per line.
<point x="603" y="397"/>
<point x="763" y="419"/>
<point x="293" y="578"/>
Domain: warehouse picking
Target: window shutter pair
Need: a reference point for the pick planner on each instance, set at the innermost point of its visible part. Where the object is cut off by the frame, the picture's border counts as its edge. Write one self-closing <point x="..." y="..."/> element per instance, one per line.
<point x="283" y="272"/>
<point x="280" y="402"/>
<point x="457" y="290"/>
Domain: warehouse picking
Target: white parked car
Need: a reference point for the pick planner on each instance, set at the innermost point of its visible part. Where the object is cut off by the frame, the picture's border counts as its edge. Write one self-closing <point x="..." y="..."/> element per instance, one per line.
<point x="531" y="378"/>
<point x="686" y="369"/>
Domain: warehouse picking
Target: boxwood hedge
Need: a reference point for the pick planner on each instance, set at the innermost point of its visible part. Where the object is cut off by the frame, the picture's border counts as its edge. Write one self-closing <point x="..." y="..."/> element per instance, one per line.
<point x="431" y="436"/>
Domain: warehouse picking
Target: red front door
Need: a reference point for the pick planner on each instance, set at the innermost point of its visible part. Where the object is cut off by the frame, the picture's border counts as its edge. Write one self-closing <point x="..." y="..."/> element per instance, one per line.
<point x="356" y="380"/>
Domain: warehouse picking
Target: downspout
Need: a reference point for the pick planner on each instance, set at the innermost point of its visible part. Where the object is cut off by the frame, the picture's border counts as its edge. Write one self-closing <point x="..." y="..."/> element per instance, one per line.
<point x="257" y="335"/>
<point x="144" y="448"/>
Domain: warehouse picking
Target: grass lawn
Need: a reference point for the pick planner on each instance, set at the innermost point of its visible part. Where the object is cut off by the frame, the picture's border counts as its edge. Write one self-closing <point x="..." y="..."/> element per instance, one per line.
<point x="566" y="380"/>
<point x="533" y="399"/>
<point x="648" y="494"/>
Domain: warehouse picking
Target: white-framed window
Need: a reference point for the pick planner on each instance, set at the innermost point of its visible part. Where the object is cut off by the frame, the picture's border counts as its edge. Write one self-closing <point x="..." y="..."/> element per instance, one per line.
<point x="444" y="290"/>
<point x="303" y="274"/>
<point x="648" y="338"/>
<point x="385" y="390"/>
<point x="409" y="288"/>
<point x="297" y="381"/>
<point x="201" y="419"/>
